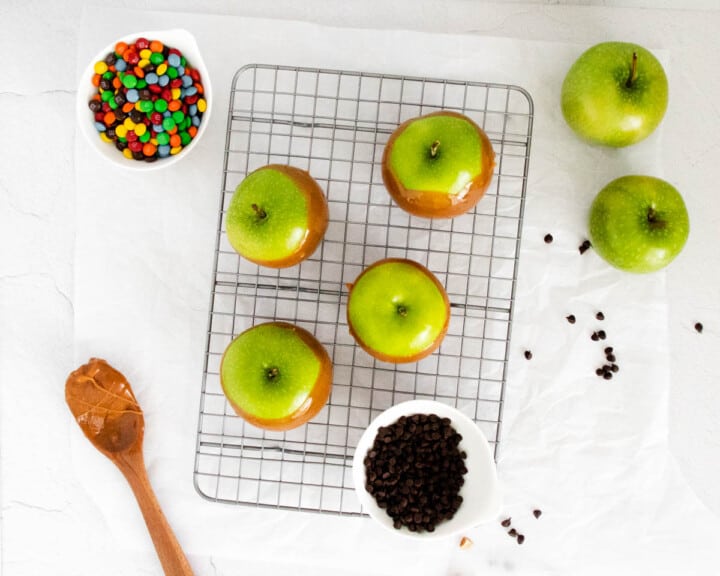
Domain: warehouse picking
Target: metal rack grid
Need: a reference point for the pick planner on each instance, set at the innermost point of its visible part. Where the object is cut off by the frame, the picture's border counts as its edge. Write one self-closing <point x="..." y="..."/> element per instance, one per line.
<point x="335" y="125"/>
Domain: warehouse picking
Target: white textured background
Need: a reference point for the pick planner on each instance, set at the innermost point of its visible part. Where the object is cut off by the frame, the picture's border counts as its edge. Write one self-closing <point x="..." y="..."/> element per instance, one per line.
<point x="45" y="515"/>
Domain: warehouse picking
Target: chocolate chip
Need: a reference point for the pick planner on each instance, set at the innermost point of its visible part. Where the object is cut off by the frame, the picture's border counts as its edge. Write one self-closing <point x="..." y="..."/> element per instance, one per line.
<point x="600" y="316"/>
<point x="609" y="350"/>
<point x="615" y="368"/>
<point x="505" y="523"/>
<point x="414" y="470"/>
<point x="528" y="355"/>
<point x="520" y="538"/>
<point x="537" y="513"/>
<point x="601" y="334"/>
<point x="584" y="247"/>
<point x="599" y="371"/>
<point x="570" y="318"/>
<point x="610" y="357"/>
<point x="699" y="327"/>
<point x="595" y="337"/>
<point x="512" y="532"/>
<point x="607" y="375"/>
<point x="548" y="238"/>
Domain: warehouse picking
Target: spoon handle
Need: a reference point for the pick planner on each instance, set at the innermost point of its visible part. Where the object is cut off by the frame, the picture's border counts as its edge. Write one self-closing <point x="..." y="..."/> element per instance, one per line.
<point x="168" y="549"/>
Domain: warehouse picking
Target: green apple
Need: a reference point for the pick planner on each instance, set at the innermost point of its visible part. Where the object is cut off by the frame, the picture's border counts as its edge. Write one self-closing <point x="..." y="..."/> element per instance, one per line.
<point x="438" y="165"/>
<point x="276" y="375"/>
<point x="615" y="94"/>
<point x="398" y="311"/>
<point x="638" y="223"/>
<point x="277" y="216"/>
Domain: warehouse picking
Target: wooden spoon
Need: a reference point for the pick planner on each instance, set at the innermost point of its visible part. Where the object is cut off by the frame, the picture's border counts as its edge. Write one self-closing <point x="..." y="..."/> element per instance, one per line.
<point x="104" y="406"/>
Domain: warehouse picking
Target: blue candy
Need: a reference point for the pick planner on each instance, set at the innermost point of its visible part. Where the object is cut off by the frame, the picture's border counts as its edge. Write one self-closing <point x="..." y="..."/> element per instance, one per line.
<point x="191" y="91"/>
<point x="163" y="151"/>
<point x="192" y="109"/>
<point x="100" y="127"/>
<point x="120" y="65"/>
<point x="174" y="60"/>
<point x="181" y="70"/>
<point x="132" y="95"/>
<point x="164" y="80"/>
<point x="151" y="78"/>
<point x="187" y="81"/>
<point x="158" y="128"/>
<point x="196" y="121"/>
<point x="167" y="114"/>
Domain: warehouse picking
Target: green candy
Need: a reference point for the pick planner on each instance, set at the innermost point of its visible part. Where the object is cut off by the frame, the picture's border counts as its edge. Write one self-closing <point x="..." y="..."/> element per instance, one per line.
<point x="108" y="75"/>
<point x="141" y="84"/>
<point x="146" y="105"/>
<point x="107" y="96"/>
<point x="183" y="62"/>
<point x="163" y="138"/>
<point x="113" y="105"/>
<point x="145" y="137"/>
<point x="129" y="81"/>
<point x="172" y="72"/>
<point x="185" y="138"/>
<point x="168" y="123"/>
<point x="157" y="58"/>
<point x="160" y="105"/>
<point x="178" y="116"/>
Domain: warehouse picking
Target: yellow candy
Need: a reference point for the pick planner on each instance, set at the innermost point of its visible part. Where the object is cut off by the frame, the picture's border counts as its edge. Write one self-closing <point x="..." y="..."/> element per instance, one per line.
<point x="129" y="124"/>
<point x="202" y="105"/>
<point x="100" y="67"/>
<point x="153" y="141"/>
<point x="140" y="129"/>
<point x="160" y="70"/>
<point x="145" y="54"/>
<point x="127" y="153"/>
<point x="121" y="131"/>
<point x="104" y="137"/>
<point x="175" y="93"/>
<point x="175" y="150"/>
<point x="144" y="62"/>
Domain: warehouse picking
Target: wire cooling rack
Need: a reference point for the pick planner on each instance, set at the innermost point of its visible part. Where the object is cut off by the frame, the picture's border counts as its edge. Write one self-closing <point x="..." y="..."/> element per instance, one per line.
<point x="335" y="125"/>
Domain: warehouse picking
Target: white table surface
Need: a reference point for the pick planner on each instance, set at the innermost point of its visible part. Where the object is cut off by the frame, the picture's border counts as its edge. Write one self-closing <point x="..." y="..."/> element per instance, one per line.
<point x="43" y="511"/>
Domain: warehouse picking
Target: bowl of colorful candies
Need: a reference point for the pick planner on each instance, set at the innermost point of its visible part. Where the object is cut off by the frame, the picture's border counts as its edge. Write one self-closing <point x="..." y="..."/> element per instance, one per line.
<point x="144" y="101"/>
<point x="423" y="469"/>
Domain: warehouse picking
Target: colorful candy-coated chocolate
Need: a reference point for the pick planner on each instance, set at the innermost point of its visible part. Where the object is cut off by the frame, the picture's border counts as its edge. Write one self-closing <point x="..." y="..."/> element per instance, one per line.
<point x="148" y="99"/>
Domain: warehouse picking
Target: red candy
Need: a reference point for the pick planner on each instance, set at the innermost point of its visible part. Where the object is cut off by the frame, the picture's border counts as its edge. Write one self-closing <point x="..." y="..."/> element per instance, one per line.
<point x="142" y="43"/>
<point x="135" y="145"/>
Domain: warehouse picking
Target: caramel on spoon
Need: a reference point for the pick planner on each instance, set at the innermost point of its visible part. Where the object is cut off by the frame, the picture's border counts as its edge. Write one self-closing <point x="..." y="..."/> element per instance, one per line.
<point x="104" y="406"/>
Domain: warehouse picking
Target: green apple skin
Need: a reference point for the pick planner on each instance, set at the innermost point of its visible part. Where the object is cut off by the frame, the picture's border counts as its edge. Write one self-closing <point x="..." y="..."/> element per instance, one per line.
<point x="438" y="165"/>
<point x="276" y="375"/>
<point x="277" y="216"/>
<point x="398" y="311"/>
<point x="597" y="102"/>
<point x="639" y="223"/>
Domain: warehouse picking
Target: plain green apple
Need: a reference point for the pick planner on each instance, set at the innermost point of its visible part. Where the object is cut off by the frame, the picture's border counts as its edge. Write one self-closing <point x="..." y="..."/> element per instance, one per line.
<point x="615" y="94"/>
<point x="276" y="375"/>
<point x="438" y="165"/>
<point x="639" y="223"/>
<point x="397" y="310"/>
<point x="277" y="216"/>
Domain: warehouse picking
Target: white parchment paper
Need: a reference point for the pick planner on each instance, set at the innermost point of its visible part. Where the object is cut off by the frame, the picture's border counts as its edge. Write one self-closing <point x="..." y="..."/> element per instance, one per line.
<point x="592" y="454"/>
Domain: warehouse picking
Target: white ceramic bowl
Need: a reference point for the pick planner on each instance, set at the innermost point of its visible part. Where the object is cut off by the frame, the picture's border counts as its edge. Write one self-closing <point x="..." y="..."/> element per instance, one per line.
<point x="481" y="493"/>
<point x="180" y="39"/>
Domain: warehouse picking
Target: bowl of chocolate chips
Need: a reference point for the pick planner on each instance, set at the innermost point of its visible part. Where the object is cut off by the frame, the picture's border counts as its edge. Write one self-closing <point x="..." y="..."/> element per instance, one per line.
<point x="424" y="469"/>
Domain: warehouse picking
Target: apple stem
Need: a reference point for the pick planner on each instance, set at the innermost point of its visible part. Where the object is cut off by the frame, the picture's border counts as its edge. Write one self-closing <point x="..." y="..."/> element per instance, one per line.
<point x="652" y="219"/>
<point x="633" y="71"/>
<point x="434" y="147"/>
<point x="272" y="373"/>
<point x="402" y="310"/>
<point x="259" y="211"/>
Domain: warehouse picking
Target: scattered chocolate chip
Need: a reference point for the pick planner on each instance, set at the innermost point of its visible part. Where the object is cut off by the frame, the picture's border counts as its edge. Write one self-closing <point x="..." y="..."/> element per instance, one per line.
<point x="520" y="538"/>
<point x="609" y="350"/>
<point x="607" y="375"/>
<point x="610" y="357"/>
<point x="595" y="337"/>
<point x="601" y="334"/>
<point x="548" y="238"/>
<point x="600" y="316"/>
<point x="528" y="355"/>
<point x="537" y="513"/>
<point x="599" y="371"/>
<point x="512" y="532"/>
<point x="584" y="247"/>
<point x="615" y="368"/>
<point x="505" y="523"/>
<point x="699" y="327"/>
<point x="570" y="318"/>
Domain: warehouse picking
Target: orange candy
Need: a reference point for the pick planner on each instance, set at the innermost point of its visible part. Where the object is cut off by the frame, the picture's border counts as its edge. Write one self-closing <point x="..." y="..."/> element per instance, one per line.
<point x="120" y="47"/>
<point x="175" y="140"/>
<point x="116" y="83"/>
<point x="149" y="149"/>
<point x="96" y="80"/>
<point x="109" y="118"/>
<point x="139" y="72"/>
<point x="127" y="107"/>
<point x="174" y="105"/>
<point x="199" y="87"/>
<point x="156" y="46"/>
<point x="192" y="131"/>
